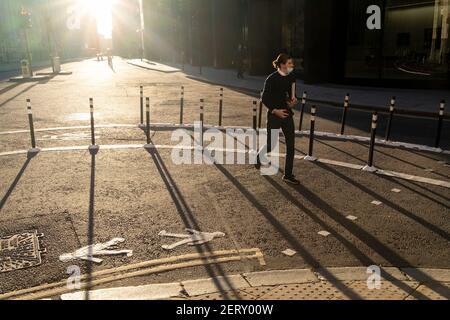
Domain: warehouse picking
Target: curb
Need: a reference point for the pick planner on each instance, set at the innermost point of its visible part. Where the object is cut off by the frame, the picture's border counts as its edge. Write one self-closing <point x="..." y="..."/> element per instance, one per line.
<point x="403" y="282"/>
<point x="36" y="78"/>
<point x="153" y="66"/>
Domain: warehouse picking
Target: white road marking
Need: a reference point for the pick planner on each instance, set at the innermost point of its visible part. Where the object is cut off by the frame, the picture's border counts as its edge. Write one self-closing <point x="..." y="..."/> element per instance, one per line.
<point x="324" y="233"/>
<point x="289" y="252"/>
<point x="376" y="202"/>
<point x="302" y="133"/>
<point x="352" y="218"/>
<point x="400" y="175"/>
<point x="396" y="190"/>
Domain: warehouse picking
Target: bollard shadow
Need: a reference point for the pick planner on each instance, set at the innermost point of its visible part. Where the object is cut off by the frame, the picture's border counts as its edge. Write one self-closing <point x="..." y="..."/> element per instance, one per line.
<point x="358" y="254"/>
<point x="401" y="160"/>
<point x="26" y="90"/>
<point x="395" y="181"/>
<point x="8" y="88"/>
<point x="30" y="156"/>
<point x="290" y="238"/>
<point x="442" y="233"/>
<point x="18" y="94"/>
<point x="340" y="150"/>
<point x="91" y="222"/>
<point x="390" y="255"/>
<point x="190" y="222"/>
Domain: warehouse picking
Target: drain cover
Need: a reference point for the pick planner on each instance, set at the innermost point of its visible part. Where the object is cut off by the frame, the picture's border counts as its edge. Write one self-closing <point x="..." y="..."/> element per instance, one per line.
<point x="20" y="251"/>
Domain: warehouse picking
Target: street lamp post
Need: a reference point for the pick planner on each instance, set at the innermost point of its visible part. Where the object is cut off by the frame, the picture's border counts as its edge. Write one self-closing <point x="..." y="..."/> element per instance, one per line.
<point x="49" y="29"/>
<point x="26" y="24"/>
<point x="141" y="29"/>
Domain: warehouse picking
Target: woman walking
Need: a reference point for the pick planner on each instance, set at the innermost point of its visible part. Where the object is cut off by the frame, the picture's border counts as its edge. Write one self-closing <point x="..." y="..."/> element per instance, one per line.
<point x="279" y="98"/>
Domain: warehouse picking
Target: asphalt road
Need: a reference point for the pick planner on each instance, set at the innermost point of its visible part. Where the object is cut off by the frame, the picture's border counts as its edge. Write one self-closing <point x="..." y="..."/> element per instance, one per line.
<point x="135" y="194"/>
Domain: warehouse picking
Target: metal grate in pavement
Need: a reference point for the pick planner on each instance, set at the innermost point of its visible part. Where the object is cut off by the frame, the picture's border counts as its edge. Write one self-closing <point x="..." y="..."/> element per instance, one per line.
<point x="309" y="291"/>
<point x="258" y="292"/>
<point x="229" y="295"/>
<point x="20" y="251"/>
<point x="398" y="290"/>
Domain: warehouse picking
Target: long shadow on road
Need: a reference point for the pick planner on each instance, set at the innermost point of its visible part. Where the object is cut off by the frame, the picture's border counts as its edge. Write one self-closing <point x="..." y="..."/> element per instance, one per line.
<point x="308" y="257"/>
<point x="370" y="240"/>
<point x="19" y="94"/>
<point x="442" y="233"/>
<point x="190" y="222"/>
<point x="30" y="156"/>
<point x="91" y="223"/>
<point x="364" y="259"/>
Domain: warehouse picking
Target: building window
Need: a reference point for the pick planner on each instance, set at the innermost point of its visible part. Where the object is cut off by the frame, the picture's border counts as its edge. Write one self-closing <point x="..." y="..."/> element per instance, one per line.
<point x="413" y="42"/>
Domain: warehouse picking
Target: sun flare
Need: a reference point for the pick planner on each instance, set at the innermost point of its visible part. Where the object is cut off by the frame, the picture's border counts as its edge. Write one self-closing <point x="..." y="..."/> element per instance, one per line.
<point x="102" y="11"/>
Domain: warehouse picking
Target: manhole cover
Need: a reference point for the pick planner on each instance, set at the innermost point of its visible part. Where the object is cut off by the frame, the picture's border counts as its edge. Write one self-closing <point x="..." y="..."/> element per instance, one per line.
<point x="20" y="251"/>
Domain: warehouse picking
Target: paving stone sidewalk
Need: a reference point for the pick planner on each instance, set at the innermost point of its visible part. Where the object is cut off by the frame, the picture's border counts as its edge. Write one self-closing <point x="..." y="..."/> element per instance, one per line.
<point x="412" y="99"/>
<point x="294" y="284"/>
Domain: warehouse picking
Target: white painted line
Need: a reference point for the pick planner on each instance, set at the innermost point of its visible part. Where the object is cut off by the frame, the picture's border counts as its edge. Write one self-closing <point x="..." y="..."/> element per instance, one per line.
<point x="289" y="252"/>
<point x="13" y="153"/>
<point x="396" y="190"/>
<point x="394" y="144"/>
<point x="351" y="218"/>
<point x="429" y="170"/>
<point x="340" y="164"/>
<point x="324" y="233"/>
<point x="70" y="128"/>
<point x="376" y="202"/>
<point x="303" y="133"/>
<point x="171" y="147"/>
<point x="414" y="178"/>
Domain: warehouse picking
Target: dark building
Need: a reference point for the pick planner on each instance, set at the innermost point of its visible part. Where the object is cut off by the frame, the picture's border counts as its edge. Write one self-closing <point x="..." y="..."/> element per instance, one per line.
<point x="57" y="27"/>
<point x="329" y="39"/>
<point x="126" y="24"/>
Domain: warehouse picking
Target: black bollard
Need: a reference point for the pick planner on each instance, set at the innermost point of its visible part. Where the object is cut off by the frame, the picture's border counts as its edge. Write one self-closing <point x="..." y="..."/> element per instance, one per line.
<point x="221" y="107"/>
<point x="255" y="117"/>
<point x="91" y="107"/>
<point x="373" y="135"/>
<point x="142" y="105"/>
<point x="30" y="120"/>
<point x="182" y="105"/>
<point x="310" y="156"/>
<point x="344" y="115"/>
<point x="147" y="114"/>
<point x="440" y="123"/>
<point x="302" y="111"/>
<point x="391" y="118"/>
<point x="202" y="118"/>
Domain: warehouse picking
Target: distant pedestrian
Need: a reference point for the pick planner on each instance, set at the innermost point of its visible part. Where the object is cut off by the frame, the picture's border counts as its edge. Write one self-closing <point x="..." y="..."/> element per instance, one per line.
<point x="239" y="61"/>
<point x="279" y="97"/>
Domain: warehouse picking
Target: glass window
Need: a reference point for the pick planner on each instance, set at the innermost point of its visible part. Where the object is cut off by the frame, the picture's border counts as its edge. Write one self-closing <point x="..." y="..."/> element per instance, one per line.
<point x="413" y="42"/>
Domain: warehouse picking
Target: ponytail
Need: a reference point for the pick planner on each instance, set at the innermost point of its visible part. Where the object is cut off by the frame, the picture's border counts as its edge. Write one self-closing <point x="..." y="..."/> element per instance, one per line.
<point x="282" y="58"/>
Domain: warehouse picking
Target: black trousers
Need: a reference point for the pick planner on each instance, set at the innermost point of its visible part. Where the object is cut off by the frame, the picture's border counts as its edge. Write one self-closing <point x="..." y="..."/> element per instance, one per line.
<point x="288" y="127"/>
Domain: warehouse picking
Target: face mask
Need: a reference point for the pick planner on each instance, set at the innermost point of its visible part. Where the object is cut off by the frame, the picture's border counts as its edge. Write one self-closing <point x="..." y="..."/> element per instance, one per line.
<point x="290" y="70"/>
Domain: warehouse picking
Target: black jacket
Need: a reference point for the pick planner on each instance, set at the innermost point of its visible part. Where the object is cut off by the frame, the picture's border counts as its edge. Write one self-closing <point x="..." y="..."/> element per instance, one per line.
<point x="277" y="91"/>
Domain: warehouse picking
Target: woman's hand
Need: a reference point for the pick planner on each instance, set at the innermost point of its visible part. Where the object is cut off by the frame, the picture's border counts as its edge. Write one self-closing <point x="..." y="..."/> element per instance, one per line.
<point x="281" y="113"/>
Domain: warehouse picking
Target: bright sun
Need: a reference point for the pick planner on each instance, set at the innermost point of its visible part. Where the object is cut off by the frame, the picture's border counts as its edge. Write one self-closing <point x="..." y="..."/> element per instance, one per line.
<point x="102" y="11"/>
